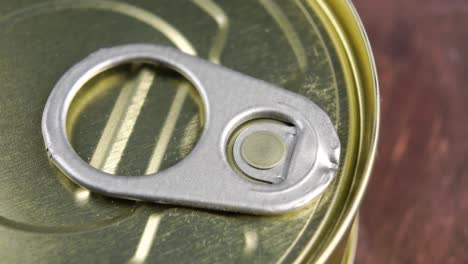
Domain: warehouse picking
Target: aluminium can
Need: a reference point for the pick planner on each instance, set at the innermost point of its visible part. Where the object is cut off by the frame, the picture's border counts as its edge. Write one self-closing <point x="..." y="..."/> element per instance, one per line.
<point x="316" y="48"/>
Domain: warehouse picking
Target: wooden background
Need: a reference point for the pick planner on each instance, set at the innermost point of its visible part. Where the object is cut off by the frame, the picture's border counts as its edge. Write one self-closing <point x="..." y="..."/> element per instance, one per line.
<point x="416" y="207"/>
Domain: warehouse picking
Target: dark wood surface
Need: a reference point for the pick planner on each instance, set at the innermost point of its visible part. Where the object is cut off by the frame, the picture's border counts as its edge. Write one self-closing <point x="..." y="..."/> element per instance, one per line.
<point x="416" y="207"/>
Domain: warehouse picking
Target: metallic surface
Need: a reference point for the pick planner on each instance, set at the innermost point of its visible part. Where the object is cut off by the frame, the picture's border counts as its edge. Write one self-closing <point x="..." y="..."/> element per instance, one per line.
<point x="204" y="178"/>
<point x="314" y="48"/>
<point x="287" y="136"/>
<point x="263" y="150"/>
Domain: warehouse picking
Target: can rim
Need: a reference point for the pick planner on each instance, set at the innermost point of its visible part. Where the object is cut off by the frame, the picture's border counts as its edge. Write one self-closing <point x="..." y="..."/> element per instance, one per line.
<point x="342" y="22"/>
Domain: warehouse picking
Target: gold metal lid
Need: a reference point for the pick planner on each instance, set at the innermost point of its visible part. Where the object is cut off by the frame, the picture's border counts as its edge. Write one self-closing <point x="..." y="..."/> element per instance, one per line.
<point x="136" y="119"/>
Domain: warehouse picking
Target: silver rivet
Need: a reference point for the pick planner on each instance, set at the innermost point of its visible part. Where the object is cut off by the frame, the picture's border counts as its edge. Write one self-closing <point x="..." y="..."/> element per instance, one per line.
<point x="263" y="150"/>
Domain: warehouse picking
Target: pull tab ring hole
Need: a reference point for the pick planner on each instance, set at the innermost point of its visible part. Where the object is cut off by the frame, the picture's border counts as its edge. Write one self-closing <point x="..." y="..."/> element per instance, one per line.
<point x="136" y="118"/>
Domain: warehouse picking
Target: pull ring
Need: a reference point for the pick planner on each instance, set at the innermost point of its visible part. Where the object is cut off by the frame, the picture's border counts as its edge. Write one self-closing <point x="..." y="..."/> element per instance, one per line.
<point x="285" y="148"/>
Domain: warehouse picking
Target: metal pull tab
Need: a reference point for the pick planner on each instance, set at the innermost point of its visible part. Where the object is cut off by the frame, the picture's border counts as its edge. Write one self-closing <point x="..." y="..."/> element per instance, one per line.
<point x="263" y="150"/>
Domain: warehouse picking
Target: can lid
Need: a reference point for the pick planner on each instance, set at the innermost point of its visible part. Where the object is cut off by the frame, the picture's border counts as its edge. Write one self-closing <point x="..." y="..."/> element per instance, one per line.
<point x="136" y="120"/>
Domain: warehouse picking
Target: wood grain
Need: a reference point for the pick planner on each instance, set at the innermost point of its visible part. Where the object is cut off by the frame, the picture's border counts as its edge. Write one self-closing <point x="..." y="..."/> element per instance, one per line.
<point x="416" y="207"/>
